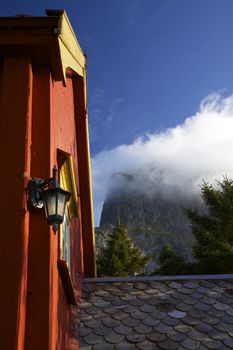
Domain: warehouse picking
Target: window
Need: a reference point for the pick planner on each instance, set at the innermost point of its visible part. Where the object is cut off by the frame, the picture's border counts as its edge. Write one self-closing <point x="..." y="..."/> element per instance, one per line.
<point x="65" y="239"/>
<point x="68" y="183"/>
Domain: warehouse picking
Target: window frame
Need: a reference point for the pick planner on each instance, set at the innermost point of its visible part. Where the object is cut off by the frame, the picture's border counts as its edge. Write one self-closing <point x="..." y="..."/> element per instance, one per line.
<point x="67" y="181"/>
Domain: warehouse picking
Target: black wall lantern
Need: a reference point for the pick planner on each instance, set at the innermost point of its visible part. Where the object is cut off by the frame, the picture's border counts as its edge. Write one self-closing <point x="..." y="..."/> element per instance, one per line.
<point x="51" y="196"/>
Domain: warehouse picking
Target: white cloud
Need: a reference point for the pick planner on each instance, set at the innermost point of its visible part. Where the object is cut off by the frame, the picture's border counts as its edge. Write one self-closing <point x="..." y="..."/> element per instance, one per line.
<point x="181" y="157"/>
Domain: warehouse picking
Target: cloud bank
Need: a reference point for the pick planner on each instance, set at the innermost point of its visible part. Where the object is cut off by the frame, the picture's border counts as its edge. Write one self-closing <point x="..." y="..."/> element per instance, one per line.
<point x="173" y="162"/>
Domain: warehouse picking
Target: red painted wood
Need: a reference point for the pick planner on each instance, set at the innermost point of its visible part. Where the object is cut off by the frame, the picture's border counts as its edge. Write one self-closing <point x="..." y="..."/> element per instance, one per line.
<point x="38" y="301"/>
<point x="51" y="322"/>
<point x="15" y="136"/>
<point x="38" y="116"/>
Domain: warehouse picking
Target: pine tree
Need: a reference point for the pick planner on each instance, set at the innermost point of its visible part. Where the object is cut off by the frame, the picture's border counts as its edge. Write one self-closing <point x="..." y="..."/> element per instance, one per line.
<point x="214" y="230"/>
<point x="170" y="263"/>
<point x="120" y="257"/>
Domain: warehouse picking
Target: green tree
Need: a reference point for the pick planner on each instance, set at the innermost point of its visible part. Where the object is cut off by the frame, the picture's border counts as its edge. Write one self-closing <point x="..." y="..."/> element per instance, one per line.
<point x="213" y="230"/>
<point x="120" y="257"/>
<point x="170" y="263"/>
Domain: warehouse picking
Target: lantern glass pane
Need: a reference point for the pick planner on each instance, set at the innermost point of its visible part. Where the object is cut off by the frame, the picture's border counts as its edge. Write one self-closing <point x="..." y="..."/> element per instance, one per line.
<point x="45" y="207"/>
<point x="62" y="199"/>
<point x="50" y="198"/>
<point x="65" y="239"/>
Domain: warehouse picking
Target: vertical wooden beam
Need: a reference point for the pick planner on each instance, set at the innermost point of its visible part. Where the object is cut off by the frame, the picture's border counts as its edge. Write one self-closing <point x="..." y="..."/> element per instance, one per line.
<point x="38" y="305"/>
<point x="88" y="235"/>
<point x="15" y="135"/>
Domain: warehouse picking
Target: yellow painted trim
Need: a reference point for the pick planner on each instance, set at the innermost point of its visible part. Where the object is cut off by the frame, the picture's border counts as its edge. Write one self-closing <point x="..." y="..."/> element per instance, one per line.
<point x="68" y="61"/>
<point x="70" y="50"/>
<point x="73" y="184"/>
<point x="67" y="181"/>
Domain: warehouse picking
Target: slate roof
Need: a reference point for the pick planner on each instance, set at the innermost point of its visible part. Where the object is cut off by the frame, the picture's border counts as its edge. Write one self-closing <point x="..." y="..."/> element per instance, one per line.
<point x="186" y="312"/>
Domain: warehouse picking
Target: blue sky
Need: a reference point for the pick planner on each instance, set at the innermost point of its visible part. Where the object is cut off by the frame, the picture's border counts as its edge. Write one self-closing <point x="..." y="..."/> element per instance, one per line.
<point x="150" y="62"/>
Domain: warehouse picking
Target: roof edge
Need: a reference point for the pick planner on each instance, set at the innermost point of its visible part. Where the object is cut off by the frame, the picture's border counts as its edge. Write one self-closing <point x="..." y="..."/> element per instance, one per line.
<point x="159" y="278"/>
<point x="49" y="40"/>
<point x="70" y="51"/>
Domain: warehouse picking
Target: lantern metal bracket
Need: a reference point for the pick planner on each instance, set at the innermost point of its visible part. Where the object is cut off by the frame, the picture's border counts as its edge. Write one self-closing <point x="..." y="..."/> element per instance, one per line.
<point x="37" y="185"/>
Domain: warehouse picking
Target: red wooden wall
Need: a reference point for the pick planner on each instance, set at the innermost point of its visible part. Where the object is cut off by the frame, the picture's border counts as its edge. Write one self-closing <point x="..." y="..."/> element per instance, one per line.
<point x="37" y="117"/>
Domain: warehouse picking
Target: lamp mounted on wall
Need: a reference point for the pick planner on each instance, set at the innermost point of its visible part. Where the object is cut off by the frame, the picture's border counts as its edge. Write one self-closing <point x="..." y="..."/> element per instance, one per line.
<point x="51" y="196"/>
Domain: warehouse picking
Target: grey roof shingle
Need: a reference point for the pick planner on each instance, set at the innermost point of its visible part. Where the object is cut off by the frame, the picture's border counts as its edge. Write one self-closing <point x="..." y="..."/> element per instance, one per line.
<point x="157" y="313"/>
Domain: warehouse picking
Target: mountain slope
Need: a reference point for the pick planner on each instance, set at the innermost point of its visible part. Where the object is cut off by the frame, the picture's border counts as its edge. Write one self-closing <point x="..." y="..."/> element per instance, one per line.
<point x="151" y="222"/>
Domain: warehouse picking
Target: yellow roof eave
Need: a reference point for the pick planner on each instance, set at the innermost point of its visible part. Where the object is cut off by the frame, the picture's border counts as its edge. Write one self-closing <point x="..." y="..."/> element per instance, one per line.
<point x="71" y="53"/>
